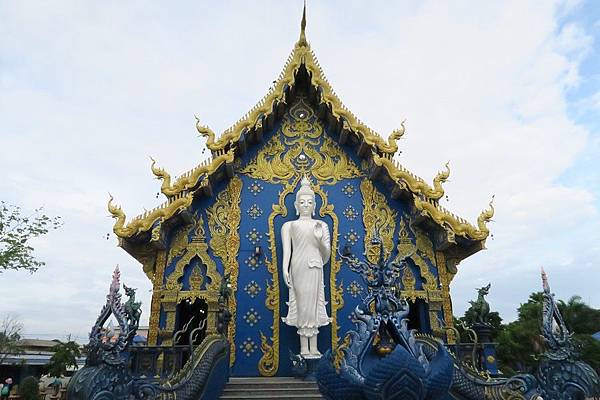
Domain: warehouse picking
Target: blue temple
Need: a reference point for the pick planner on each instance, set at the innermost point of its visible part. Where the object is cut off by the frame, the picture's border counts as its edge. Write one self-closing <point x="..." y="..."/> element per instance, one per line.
<point x="213" y="254"/>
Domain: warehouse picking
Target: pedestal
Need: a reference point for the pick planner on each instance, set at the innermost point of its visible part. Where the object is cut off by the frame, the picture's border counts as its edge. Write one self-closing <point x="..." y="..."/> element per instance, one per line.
<point x="304" y="367"/>
<point x="484" y="332"/>
<point x="488" y="349"/>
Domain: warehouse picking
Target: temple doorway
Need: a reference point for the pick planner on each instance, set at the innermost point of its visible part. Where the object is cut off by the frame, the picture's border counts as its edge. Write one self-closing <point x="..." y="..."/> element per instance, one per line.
<point x="191" y="314"/>
<point x="418" y="316"/>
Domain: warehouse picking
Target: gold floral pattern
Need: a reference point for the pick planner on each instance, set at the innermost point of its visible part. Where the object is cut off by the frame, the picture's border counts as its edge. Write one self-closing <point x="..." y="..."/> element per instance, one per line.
<point x="223" y="222"/>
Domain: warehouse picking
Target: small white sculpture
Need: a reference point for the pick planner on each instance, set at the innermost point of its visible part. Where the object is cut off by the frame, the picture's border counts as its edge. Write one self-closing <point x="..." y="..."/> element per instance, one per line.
<point x="306" y="249"/>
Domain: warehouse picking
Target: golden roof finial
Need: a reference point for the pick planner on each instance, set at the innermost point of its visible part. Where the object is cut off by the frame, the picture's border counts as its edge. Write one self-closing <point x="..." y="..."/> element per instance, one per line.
<point x="302" y="41"/>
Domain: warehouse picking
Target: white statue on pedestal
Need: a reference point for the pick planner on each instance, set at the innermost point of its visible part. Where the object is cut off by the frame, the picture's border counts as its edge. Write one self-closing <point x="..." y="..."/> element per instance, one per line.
<point x="306" y="249"/>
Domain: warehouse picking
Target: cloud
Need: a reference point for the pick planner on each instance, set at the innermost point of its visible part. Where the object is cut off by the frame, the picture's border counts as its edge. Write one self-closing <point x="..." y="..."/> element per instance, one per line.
<point x="88" y="92"/>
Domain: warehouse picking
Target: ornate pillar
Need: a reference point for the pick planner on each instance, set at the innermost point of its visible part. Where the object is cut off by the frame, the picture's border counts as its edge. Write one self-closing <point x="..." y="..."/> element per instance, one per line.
<point x="446" y="300"/>
<point x="169" y="308"/>
<point x="156" y="294"/>
<point x="211" y="322"/>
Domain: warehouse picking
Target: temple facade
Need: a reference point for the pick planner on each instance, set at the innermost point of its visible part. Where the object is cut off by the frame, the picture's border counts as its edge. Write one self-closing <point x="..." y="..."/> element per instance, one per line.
<point x="221" y="222"/>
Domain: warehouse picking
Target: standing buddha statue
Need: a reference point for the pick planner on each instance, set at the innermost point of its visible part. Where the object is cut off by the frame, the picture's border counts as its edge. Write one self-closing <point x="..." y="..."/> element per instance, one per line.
<point x="306" y="249"/>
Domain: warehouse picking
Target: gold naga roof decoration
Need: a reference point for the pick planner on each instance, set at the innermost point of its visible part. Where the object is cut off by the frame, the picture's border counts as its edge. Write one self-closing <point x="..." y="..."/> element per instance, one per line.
<point x="223" y="151"/>
<point x="191" y="178"/>
<point x="145" y="221"/>
<point x="457" y="225"/>
<point x="416" y="185"/>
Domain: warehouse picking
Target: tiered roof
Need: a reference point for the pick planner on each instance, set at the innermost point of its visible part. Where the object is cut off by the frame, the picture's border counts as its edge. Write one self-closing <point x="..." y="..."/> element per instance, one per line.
<point x="303" y="70"/>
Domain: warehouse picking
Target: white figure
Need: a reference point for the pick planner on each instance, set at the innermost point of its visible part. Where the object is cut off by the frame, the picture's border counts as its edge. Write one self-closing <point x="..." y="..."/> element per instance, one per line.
<point x="306" y="249"/>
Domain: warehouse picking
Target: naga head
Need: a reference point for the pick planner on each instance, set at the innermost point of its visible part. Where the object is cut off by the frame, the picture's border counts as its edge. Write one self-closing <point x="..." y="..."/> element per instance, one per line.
<point x="484" y="290"/>
<point x="129" y="291"/>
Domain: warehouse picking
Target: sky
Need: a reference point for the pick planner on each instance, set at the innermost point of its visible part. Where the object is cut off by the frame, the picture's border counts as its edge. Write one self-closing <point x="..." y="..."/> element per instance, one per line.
<point x="507" y="91"/>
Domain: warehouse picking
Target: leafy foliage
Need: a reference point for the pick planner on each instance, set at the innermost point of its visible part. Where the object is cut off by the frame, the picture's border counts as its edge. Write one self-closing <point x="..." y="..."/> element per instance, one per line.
<point x="65" y="356"/>
<point x="520" y="342"/>
<point x="16" y="231"/>
<point x="589" y="349"/>
<point x="579" y="317"/>
<point x="10" y="334"/>
<point x="29" y="389"/>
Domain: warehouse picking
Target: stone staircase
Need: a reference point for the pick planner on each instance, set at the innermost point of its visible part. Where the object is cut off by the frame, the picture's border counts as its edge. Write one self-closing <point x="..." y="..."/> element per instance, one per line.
<point x="270" y="389"/>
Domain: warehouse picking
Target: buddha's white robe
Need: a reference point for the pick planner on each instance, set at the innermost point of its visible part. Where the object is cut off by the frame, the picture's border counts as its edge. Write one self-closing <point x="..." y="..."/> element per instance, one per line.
<point x="306" y="305"/>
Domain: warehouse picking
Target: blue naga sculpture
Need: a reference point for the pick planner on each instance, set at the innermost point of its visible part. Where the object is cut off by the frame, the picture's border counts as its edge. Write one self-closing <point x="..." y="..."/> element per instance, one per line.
<point x="560" y="374"/>
<point x="107" y="374"/>
<point x="382" y="359"/>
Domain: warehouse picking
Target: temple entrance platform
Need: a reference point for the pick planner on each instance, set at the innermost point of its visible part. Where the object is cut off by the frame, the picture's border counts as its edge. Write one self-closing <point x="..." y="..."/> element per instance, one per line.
<point x="270" y="389"/>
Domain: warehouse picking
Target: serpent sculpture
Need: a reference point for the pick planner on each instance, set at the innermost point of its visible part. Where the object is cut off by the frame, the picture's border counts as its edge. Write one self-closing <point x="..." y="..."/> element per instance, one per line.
<point x="381" y="359"/>
<point x="107" y="374"/>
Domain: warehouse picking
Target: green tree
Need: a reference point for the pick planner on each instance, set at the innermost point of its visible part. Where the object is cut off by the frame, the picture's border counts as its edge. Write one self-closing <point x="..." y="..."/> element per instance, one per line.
<point x="579" y="317"/>
<point x="29" y="389"/>
<point x="10" y="334"/>
<point x="65" y="356"/>
<point x="16" y="232"/>
<point x="589" y="350"/>
<point x="520" y="342"/>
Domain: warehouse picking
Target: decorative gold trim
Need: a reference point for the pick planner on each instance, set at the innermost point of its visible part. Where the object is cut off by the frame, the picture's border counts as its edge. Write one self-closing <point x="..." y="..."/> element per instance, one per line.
<point x="419" y="251"/>
<point x="179" y="243"/>
<point x="269" y="165"/>
<point x="430" y="283"/>
<point x="331" y="163"/>
<point x="434" y="322"/>
<point x="196" y="248"/>
<point x="338" y="352"/>
<point x="337" y="291"/>
<point x="190" y="178"/>
<point x="224" y="222"/>
<point x="275" y="162"/>
<point x="457" y="225"/>
<point x="424" y="244"/>
<point x="378" y="219"/>
<point x="406" y="179"/>
<point x="269" y="362"/>
<point x="408" y="280"/>
<point x="301" y="55"/>
<point x="221" y="148"/>
<point x="446" y="299"/>
<point x="156" y="298"/>
<point x="145" y="221"/>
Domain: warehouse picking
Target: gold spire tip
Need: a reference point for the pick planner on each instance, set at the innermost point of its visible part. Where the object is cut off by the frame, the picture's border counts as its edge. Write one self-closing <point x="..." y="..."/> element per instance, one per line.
<point x="302" y="41"/>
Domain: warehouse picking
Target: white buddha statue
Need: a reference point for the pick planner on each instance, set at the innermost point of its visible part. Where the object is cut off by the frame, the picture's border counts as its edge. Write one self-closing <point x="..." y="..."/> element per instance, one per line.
<point x="306" y="249"/>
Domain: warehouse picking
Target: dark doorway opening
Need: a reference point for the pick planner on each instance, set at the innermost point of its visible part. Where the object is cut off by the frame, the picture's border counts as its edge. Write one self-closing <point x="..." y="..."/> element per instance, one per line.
<point x="418" y="317"/>
<point x="190" y="316"/>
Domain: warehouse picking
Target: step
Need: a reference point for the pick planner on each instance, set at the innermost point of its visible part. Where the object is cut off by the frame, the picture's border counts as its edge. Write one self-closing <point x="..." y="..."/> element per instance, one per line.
<point x="274" y="388"/>
<point x="261" y="385"/>
<point x="269" y="391"/>
<point x="273" y="380"/>
<point x="272" y="397"/>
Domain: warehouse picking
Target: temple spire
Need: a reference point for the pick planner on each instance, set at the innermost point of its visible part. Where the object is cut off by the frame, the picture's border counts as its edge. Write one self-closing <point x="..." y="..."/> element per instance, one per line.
<point x="302" y="41"/>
